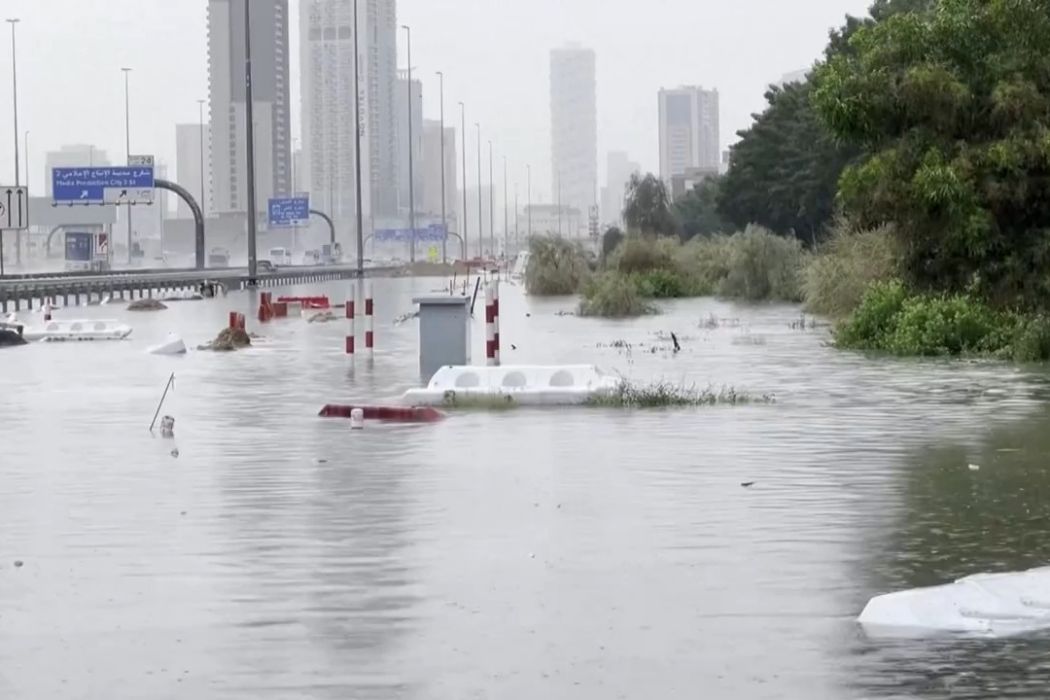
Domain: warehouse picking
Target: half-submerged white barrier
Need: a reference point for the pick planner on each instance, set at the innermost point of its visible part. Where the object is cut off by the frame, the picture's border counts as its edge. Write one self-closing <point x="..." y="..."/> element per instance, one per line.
<point x="172" y="345"/>
<point x="54" y="331"/>
<point x="993" y="605"/>
<point x="529" y="385"/>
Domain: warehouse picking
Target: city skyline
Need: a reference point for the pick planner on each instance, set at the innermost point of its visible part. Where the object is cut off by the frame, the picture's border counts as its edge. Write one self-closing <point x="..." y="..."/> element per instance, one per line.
<point x="169" y="56"/>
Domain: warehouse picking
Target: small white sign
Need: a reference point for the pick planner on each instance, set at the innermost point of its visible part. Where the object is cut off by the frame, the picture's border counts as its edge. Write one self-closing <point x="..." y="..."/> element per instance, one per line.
<point x="14" y="207"/>
<point x="140" y="161"/>
<point x="127" y="195"/>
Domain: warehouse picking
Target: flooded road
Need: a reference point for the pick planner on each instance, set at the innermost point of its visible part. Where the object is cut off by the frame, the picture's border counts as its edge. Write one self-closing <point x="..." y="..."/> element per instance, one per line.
<point x="577" y="553"/>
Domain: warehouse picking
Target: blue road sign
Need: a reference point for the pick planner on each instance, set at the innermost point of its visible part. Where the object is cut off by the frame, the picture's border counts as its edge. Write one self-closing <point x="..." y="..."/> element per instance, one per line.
<point x="80" y="247"/>
<point x="119" y="185"/>
<point x="289" y="211"/>
<point x="431" y="234"/>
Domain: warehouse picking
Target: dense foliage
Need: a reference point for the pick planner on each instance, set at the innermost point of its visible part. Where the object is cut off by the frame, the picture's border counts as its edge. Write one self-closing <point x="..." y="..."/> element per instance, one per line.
<point x="556" y="266"/>
<point x="647" y="209"/>
<point x="837" y="276"/>
<point x="697" y="211"/>
<point x="952" y="109"/>
<point x="784" y="171"/>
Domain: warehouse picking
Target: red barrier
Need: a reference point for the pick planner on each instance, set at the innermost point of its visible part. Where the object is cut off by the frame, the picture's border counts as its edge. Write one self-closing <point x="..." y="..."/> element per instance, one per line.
<point x="388" y="414"/>
<point x="237" y="320"/>
<point x="320" y="302"/>
<point x="280" y="309"/>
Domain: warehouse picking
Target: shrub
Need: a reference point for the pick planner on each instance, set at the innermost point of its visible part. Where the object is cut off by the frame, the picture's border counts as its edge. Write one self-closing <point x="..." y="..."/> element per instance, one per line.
<point x="663" y="394"/>
<point x="556" y="266"/>
<point x="763" y="265"/>
<point x="644" y="253"/>
<point x="613" y="295"/>
<point x="834" y="281"/>
<point x="610" y="242"/>
<point x="703" y="263"/>
<point x="875" y="318"/>
<point x="938" y="325"/>
<point x="1031" y="340"/>
<point x="660" y="284"/>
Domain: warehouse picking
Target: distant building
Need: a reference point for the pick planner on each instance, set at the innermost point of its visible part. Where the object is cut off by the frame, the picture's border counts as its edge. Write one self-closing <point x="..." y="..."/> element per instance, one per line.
<point x="432" y="171"/>
<point x="726" y="155"/>
<point x="689" y="135"/>
<point x="188" y="162"/>
<point x="403" y="145"/>
<point x="681" y="184"/>
<point x="550" y="219"/>
<point x="227" y="93"/>
<point x="574" y="128"/>
<point x="798" y="76"/>
<point x="73" y="156"/>
<point x="619" y="169"/>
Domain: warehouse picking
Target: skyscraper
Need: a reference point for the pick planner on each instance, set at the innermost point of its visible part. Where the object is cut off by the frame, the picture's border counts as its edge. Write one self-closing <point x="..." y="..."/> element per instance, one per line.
<point x="327" y="82"/>
<point x="619" y="169"/>
<point x="227" y="90"/>
<point x="574" y="128"/>
<point x="404" y="147"/>
<point x="188" y="153"/>
<point x="689" y="137"/>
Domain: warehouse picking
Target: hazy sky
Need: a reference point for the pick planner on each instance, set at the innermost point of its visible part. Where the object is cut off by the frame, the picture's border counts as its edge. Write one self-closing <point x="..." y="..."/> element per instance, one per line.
<point x="494" y="54"/>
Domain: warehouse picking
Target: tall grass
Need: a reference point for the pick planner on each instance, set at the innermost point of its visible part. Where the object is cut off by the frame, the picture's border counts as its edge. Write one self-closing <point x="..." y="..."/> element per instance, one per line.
<point x="613" y="295"/>
<point x="763" y="265"/>
<point x="663" y="394"/>
<point x="837" y="277"/>
<point x="557" y="267"/>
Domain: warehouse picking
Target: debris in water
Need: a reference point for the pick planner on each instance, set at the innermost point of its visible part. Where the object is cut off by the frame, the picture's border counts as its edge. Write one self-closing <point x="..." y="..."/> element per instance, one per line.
<point x="513" y="346"/>
<point x="747" y="484"/>
<point x="405" y="317"/>
<point x="175" y="453"/>
<point x="228" y="340"/>
<point x="674" y="339"/>
<point x="147" y="305"/>
<point x="321" y="317"/>
<point x="19" y="563"/>
<point x="975" y="467"/>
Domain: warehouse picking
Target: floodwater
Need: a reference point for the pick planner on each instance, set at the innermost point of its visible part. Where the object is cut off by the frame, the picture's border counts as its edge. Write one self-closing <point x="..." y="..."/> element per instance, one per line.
<point x="572" y="553"/>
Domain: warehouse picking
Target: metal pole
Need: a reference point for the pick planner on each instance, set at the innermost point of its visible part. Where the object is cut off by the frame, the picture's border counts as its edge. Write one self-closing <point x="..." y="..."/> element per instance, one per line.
<point x="481" y="213"/>
<point x="463" y="132"/>
<point x="127" y="136"/>
<point x="204" y="205"/>
<point x="357" y="151"/>
<point x="492" y="207"/>
<point x="517" y="243"/>
<point x="528" y="200"/>
<point x="506" y="212"/>
<point x="250" y="146"/>
<point x="25" y="151"/>
<point x="444" y="215"/>
<point x="411" y="148"/>
<point x="14" y="90"/>
<point x="559" y="202"/>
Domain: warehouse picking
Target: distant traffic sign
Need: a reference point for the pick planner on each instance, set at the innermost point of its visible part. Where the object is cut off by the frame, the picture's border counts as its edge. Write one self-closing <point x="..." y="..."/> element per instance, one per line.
<point x="14" y="207"/>
<point x="432" y="233"/>
<point x="119" y="185"/>
<point x="289" y="211"/>
<point x="140" y="161"/>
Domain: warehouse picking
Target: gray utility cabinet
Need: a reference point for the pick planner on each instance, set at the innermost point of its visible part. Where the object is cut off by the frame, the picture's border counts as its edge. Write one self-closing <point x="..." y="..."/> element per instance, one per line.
<point x="444" y="333"/>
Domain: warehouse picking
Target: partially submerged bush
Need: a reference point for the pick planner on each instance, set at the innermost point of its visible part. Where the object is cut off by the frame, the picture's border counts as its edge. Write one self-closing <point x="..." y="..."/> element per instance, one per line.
<point x="892" y="320"/>
<point x="835" y="279"/>
<point x="763" y="265"/>
<point x="663" y="394"/>
<point x="613" y="295"/>
<point x="556" y="267"/>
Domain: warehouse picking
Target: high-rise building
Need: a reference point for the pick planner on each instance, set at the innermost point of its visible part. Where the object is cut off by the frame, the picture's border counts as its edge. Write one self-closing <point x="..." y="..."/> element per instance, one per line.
<point x="574" y="128"/>
<point x="188" y="157"/>
<point x="72" y="156"/>
<point x="432" y="171"/>
<point x="795" y="76"/>
<point x="689" y="136"/>
<point x="327" y="82"/>
<point x="403" y="145"/>
<point x="619" y="169"/>
<point x="227" y="95"/>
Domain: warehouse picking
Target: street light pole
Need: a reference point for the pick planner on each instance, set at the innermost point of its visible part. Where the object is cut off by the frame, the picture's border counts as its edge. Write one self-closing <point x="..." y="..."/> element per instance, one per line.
<point x="357" y="152"/>
<point x="204" y="205"/>
<point x="127" y="136"/>
<point x="411" y="175"/>
<point x="492" y="207"/>
<point x="528" y="200"/>
<point x="506" y="212"/>
<point x="25" y="152"/>
<point x="249" y="130"/>
<point x="463" y="132"/>
<point x="444" y="214"/>
<point x="559" y="202"/>
<point x="14" y="89"/>
<point x="481" y="210"/>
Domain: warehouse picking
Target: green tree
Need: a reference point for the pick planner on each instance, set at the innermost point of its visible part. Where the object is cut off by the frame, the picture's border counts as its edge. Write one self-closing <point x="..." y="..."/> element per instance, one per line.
<point x="612" y="238"/>
<point x="952" y="110"/>
<point x="648" y="208"/>
<point x="784" y="171"/>
<point x="697" y="211"/>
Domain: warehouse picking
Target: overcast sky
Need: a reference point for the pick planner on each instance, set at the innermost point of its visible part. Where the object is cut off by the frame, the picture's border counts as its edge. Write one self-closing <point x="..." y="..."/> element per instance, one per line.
<point x="494" y="54"/>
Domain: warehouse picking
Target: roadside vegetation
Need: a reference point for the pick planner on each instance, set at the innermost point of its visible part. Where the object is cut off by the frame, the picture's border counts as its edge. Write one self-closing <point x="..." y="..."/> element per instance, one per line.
<point x="899" y="189"/>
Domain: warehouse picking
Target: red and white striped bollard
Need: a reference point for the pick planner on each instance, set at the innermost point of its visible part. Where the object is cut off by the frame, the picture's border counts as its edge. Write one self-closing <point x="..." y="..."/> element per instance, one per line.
<point x="492" y="324"/>
<point x="370" y="322"/>
<point x="350" y="323"/>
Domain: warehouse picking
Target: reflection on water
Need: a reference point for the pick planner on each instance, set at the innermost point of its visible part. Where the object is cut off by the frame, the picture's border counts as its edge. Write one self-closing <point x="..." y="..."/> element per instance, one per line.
<point x="563" y="554"/>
